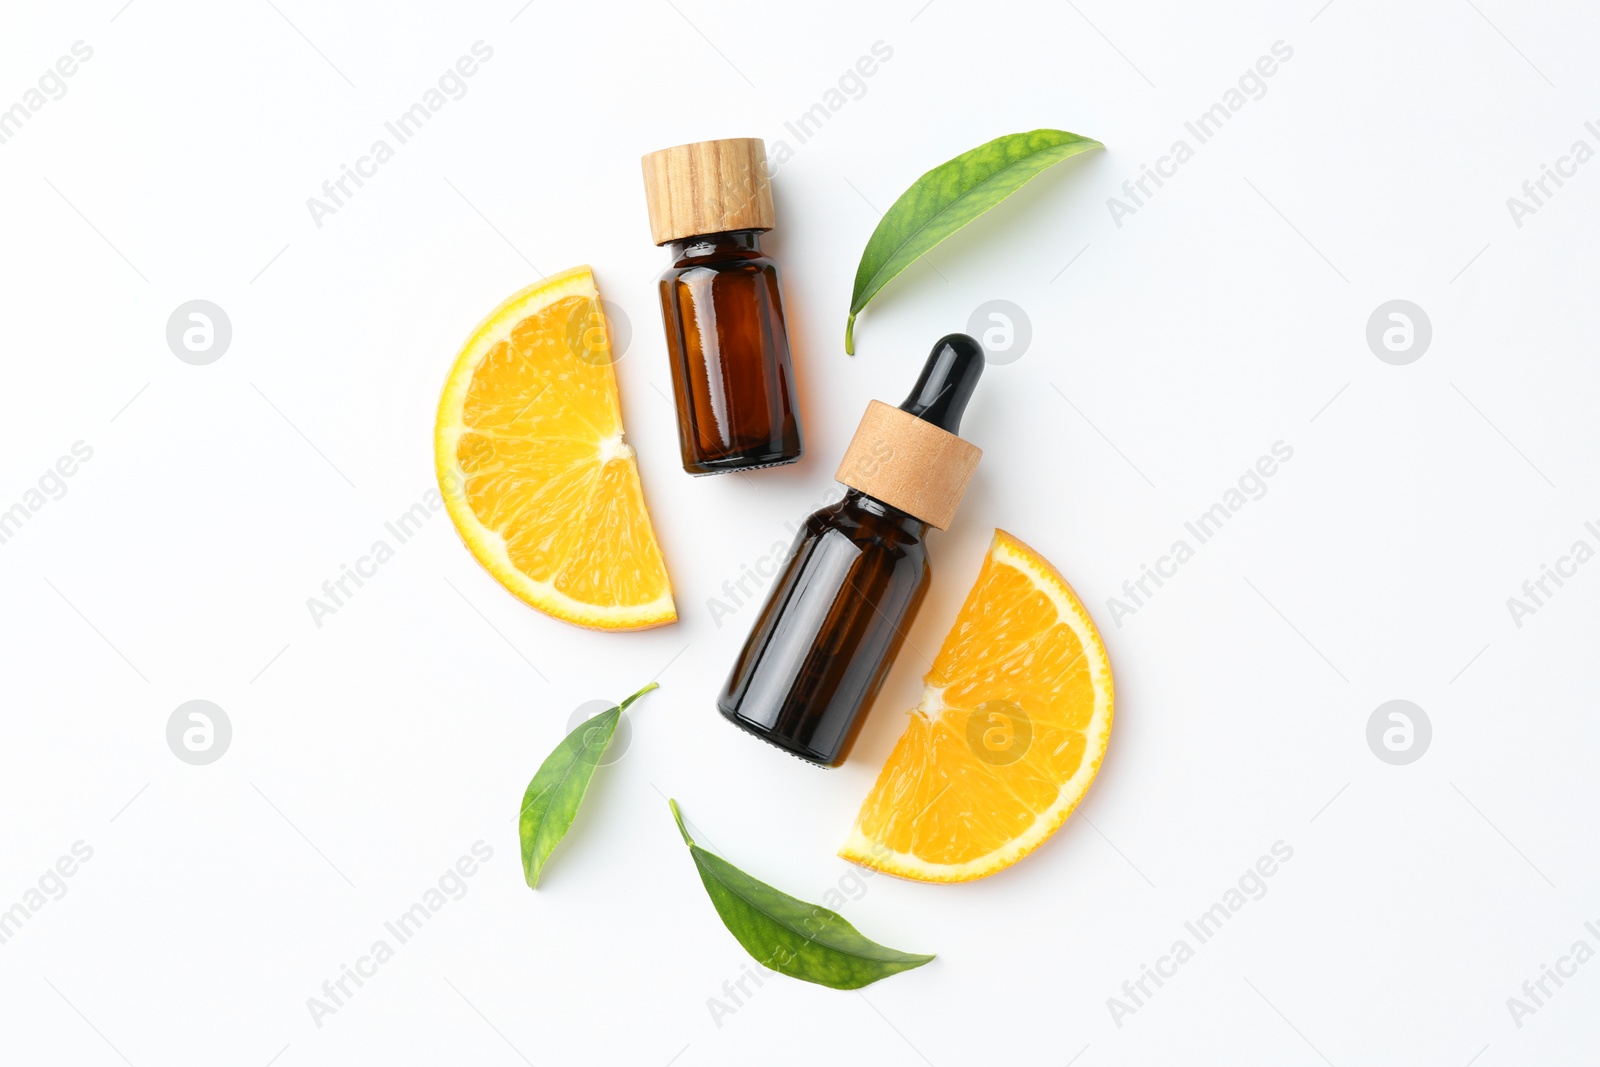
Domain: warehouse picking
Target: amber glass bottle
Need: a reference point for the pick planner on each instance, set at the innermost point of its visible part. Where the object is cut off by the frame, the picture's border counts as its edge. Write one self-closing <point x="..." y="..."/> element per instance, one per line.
<point x="840" y="606"/>
<point x="728" y="349"/>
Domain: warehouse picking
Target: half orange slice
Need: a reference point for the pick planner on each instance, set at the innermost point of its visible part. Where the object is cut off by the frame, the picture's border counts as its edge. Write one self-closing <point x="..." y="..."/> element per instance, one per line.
<point x="534" y="470"/>
<point x="1013" y="724"/>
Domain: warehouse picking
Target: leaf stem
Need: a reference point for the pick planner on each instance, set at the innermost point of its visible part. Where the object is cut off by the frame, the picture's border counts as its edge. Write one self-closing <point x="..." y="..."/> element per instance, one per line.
<point x="640" y="693"/>
<point x="850" y="336"/>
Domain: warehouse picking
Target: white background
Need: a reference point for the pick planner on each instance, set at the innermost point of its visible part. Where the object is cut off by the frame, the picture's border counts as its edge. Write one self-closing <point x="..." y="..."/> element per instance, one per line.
<point x="1227" y="314"/>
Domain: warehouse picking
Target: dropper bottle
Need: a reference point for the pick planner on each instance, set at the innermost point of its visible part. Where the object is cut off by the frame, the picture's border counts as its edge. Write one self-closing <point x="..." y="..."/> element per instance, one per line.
<point x="855" y="576"/>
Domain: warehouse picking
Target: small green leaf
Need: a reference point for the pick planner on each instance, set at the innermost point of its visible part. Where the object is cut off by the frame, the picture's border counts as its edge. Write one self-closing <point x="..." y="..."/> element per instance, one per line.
<point x="781" y="933"/>
<point x="947" y="198"/>
<point x="552" y="798"/>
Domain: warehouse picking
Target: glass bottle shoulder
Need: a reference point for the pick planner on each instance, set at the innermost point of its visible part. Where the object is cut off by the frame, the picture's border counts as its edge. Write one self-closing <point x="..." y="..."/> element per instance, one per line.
<point x="867" y="522"/>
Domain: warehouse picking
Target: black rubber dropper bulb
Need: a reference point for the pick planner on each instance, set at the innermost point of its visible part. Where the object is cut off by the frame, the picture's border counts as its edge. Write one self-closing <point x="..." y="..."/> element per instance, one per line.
<point x="841" y="603"/>
<point x="948" y="378"/>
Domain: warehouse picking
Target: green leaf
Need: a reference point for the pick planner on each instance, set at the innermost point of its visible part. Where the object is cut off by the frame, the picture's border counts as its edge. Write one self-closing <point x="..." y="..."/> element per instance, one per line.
<point x="781" y="933"/>
<point x="552" y="798"/>
<point x="947" y="198"/>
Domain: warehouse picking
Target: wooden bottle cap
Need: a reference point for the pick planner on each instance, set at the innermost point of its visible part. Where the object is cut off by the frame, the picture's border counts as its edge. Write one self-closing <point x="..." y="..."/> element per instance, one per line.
<point x="909" y="464"/>
<point x="708" y="187"/>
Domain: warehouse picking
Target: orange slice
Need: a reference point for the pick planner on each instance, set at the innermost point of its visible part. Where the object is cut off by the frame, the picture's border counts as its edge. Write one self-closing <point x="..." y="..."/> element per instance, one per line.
<point x="533" y="468"/>
<point x="1012" y="727"/>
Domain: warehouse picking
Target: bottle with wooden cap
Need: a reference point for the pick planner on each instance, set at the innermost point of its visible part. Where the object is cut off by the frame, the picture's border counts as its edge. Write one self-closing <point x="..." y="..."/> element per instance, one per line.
<point x="855" y="576"/>
<point x="726" y="342"/>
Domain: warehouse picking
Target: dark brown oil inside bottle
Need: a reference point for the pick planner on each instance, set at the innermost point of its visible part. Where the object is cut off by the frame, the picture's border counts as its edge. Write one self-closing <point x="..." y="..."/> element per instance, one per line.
<point x="729" y="352"/>
<point x="839" y="609"/>
<point x="831" y="626"/>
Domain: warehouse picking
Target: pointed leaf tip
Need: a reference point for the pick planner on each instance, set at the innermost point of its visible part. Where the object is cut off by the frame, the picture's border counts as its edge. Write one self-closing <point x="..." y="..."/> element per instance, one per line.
<point x="783" y="933"/>
<point x="682" y="829"/>
<point x="550" y="803"/>
<point x="949" y="197"/>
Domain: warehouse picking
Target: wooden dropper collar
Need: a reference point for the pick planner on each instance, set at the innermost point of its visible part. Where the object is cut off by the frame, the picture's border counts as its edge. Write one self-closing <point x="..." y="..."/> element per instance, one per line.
<point x="910" y="457"/>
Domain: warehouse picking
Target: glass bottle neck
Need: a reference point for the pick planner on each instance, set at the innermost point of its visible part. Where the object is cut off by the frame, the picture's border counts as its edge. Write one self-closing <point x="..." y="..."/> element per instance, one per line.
<point x="873" y="506"/>
<point x="740" y="244"/>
